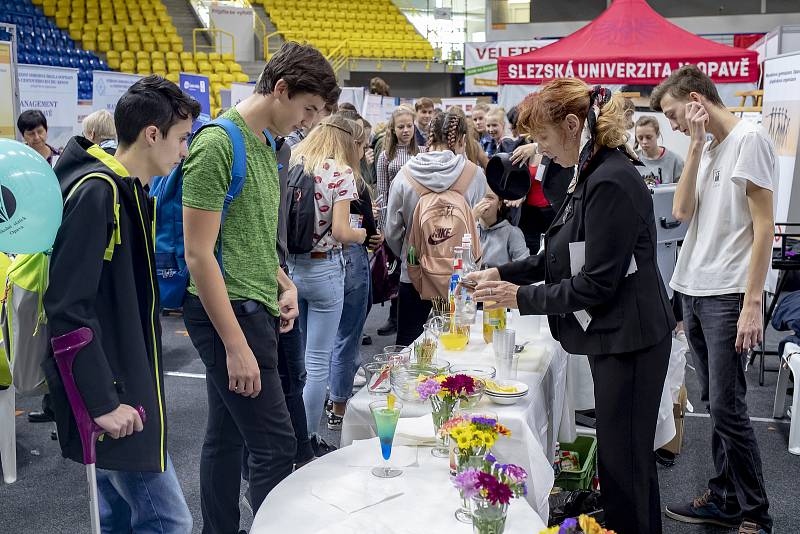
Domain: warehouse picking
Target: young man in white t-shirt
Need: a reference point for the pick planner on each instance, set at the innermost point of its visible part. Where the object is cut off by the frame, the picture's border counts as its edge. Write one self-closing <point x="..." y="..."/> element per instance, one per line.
<point x="725" y="193"/>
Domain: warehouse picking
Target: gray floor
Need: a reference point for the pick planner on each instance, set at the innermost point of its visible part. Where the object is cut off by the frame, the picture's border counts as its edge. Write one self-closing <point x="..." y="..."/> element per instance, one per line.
<point x="50" y="497"/>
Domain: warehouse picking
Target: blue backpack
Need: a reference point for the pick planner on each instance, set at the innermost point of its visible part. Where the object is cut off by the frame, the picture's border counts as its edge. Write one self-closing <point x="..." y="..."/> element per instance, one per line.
<point x="171" y="270"/>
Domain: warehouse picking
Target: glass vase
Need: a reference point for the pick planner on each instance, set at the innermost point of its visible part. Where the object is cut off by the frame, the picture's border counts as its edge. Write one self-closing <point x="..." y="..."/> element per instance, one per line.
<point x="465" y="461"/>
<point x="488" y="518"/>
<point x="442" y="409"/>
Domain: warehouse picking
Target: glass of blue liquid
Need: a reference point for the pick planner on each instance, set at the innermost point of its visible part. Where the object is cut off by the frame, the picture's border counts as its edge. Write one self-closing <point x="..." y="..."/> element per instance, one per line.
<point x="386" y="413"/>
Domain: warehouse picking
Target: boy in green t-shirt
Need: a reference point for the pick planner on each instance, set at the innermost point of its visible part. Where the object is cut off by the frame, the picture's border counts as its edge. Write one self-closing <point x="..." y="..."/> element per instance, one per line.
<point x="233" y="317"/>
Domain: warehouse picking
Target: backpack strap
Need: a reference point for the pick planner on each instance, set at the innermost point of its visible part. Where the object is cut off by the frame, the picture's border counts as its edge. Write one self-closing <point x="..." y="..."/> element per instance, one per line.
<point x="238" y="171"/>
<point x="418" y="187"/>
<point x="116" y="236"/>
<point x="465" y="178"/>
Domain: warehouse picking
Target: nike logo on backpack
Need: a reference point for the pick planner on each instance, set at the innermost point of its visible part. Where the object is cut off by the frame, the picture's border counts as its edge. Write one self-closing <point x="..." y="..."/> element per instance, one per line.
<point x="440" y="235"/>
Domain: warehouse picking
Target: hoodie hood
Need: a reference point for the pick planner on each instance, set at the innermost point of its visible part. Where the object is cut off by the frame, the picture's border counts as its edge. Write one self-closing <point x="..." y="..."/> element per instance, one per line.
<point x="502" y="223"/>
<point x="81" y="157"/>
<point x="436" y="170"/>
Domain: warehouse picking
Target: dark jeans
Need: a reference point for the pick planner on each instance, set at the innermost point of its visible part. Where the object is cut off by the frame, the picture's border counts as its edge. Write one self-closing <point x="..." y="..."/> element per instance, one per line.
<point x="710" y="324"/>
<point x="627" y="392"/>
<point x="411" y="314"/>
<point x="262" y="424"/>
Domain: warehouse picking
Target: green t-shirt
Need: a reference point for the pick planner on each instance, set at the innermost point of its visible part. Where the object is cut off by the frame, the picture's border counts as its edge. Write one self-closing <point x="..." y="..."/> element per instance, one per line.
<point x="250" y="231"/>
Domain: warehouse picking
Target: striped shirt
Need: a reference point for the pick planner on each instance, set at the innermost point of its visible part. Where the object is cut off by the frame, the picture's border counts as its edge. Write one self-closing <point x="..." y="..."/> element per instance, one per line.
<point x="386" y="171"/>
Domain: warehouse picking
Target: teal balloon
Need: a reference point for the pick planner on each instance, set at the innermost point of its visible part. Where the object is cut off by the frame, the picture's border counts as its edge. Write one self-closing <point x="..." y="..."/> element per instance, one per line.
<point x="30" y="200"/>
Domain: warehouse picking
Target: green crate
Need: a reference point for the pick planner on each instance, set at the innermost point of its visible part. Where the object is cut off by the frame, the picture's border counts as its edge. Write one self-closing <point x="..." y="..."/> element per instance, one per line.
<point x="586" y="447"/>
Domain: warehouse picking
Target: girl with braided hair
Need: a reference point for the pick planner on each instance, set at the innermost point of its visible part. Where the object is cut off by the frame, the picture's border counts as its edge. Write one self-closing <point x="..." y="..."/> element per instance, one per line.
<point x="437" y="170"/>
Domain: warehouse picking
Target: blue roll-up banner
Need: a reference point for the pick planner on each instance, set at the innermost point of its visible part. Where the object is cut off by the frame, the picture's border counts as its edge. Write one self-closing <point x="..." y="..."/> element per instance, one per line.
<point x="197" y="87"/>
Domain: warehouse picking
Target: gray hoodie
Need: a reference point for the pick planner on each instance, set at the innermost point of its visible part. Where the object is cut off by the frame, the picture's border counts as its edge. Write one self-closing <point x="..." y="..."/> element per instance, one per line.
<point x="502" y="243"/>
<point x="435" y="170"/>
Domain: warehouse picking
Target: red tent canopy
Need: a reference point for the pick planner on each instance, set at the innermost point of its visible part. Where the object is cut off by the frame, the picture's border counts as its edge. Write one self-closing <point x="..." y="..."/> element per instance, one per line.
<point x="628" y="43"/>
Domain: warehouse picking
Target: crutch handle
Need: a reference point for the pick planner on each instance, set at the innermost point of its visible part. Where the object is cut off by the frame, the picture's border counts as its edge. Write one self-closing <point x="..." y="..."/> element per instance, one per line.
<point x="65" y="349"/>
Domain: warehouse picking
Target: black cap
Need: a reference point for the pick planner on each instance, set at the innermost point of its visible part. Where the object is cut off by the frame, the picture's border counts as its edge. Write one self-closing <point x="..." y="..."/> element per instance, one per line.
<point x="508" y="181"/>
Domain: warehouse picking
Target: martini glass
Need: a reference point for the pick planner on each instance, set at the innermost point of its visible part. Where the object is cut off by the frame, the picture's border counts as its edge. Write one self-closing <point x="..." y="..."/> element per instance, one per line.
<point x="386" y="414"/>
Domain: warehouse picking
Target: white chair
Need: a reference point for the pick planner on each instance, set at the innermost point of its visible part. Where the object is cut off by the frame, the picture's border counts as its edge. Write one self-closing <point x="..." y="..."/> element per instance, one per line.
<point x="8" y="435"/>
<point x="790" y="362"/>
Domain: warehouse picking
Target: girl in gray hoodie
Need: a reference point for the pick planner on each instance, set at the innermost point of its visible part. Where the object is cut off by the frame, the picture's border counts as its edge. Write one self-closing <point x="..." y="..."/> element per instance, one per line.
<point x="438" y="169"/>
<point x="501" y="241"/>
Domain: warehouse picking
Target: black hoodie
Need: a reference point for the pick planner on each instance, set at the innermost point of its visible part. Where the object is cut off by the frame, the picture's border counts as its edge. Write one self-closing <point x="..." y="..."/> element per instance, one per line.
<point x="117" y="299"/>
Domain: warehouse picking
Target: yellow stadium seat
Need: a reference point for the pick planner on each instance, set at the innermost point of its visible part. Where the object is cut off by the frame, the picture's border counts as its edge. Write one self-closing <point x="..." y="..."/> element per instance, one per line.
<point x="214" y="78"/>
<point x="157" y="55"/>
<point x="162" y="40"/>
<point x="127" y="55"/>
<point x="127" y="66"/>
<point x="219" y="66"/>
<point x="233" y="68"/>
<point x="142" y="56"/>
<point x="173" y="77"/>
<point x="186" y="56"/>
<point x="228" y="57"/>
<point x="200" y="56"/>
<point x="172" y="56"/>
<point x="227" y="79"/>
<point x="159" y="66"/>
<point x="173" y="66"/>
<point x="241" y="77"/>
<point x="103" y="46"/>
<point x="214" y="56"/>
<point x="176" y="47"/>
<point x="189" y="66"/>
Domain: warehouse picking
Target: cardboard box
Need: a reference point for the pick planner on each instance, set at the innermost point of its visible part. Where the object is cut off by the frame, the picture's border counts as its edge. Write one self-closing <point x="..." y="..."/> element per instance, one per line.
<point x="678" y="411"/>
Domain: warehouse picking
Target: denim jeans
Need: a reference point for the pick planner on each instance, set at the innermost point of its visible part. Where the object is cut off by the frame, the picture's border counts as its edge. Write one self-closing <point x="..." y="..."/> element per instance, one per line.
<point x="711" y="324"/>
<point x="345" y="360"/>
<point x="261" y="423"/>
<point x="320" y="290"/>
<point x="142" y="502"/>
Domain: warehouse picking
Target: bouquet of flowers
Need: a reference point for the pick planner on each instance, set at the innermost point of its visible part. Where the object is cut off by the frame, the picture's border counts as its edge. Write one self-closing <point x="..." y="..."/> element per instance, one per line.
<point x="444" y="392"/>
<point x="474" y="435"/>
<point x="497" y="483"/>
<point x="491" y="487"/>
<point x="576" y="525"/>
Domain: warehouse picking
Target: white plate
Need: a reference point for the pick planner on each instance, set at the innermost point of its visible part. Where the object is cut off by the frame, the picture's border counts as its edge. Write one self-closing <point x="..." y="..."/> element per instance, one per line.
<point x="522" y="388"/>
<point x="504" y="400"/>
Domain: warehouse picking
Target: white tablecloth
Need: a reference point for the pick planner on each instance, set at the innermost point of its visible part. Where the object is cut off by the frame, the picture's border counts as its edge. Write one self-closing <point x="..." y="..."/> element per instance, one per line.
<point x="426" y="504"/>
<point x="533" y="421"/>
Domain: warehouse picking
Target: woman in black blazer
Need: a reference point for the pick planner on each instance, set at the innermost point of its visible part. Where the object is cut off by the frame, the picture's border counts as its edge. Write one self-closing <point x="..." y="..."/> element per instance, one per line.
<point x="615" y="307"/>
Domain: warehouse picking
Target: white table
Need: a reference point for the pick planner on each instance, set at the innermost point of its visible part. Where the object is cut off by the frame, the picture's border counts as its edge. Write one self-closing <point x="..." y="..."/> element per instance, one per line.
<point x="534" y="421"/>
<point x="426" y="505"/>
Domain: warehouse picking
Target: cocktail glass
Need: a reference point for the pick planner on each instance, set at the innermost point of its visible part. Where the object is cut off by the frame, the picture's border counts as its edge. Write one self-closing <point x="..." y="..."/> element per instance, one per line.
<point x="386" y="414"/>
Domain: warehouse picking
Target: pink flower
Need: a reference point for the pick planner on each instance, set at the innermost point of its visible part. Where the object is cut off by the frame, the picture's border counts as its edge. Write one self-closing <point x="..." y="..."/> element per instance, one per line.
<point x="428" y="388"/>
<point x="467" y="482"/>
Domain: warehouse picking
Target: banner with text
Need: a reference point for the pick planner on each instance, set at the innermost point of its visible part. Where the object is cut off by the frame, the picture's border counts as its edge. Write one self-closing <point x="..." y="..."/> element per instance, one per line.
<point x="480" y="61"/>
<point x="196" y="86"/>
<point x="781" y="119"/>
<point x="108" y="87"/>
<point x="378" y="109"/>
<point x="237" y="23"/>
<point x="8" y="92"/>
<point x="54" y="92"/>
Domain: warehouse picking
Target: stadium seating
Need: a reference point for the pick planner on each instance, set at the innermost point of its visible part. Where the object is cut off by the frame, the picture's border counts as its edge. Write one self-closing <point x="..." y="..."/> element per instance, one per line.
<point x="136" y="36"/>
<point x="375" y="29"/>
<point x="41" y="42"/>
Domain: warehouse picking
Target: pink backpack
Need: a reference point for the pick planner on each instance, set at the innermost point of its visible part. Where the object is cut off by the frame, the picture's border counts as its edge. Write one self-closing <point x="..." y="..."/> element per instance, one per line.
<point x="439" y="223"/>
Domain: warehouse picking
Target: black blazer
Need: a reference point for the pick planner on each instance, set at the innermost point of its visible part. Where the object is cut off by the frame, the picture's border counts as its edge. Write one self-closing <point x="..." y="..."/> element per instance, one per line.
<point x="612" y="211"/>
<point x="555" y="182"/>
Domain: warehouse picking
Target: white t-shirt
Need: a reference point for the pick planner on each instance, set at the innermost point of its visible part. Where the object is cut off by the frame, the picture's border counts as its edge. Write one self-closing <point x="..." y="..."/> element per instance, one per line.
<point x="715" y="256"/>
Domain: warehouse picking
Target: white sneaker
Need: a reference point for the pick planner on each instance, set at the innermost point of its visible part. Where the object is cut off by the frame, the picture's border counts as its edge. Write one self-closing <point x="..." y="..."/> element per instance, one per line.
<point x="360" y="379"/>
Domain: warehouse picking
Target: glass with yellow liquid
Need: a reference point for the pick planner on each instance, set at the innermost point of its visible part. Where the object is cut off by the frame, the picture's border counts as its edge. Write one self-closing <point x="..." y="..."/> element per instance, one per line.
<point x="455" y="334"/>
<point x="493" y="320"/>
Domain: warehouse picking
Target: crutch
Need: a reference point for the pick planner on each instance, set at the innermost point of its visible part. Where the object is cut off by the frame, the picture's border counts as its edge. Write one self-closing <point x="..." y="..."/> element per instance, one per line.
<point x="65" y="349"/>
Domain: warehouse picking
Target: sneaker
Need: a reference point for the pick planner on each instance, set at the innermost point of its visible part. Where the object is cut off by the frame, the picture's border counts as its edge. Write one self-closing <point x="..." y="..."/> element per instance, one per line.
<point x="328" y="407"/>
<point x="389" y="328"/>
<point x="335" y="421"/>
<point x="320" y="446"/>
<point x="749" y="527"/>
<point x="360" y="380"/>
<point x="703" y="510"/>
<point x="245" y="502"/>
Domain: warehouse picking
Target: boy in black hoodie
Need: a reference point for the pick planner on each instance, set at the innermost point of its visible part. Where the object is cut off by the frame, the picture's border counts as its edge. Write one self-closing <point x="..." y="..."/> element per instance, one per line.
<point x="102" y="276"/>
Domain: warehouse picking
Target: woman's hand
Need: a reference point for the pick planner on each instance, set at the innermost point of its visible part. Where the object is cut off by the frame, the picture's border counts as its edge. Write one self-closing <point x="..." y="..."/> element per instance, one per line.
<point x="375" y="241"/>
<point x="369" y="156"/>
<point x="500" y="294"/>
<point x="524" y="153"/>
<point x="514" y="203"/>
